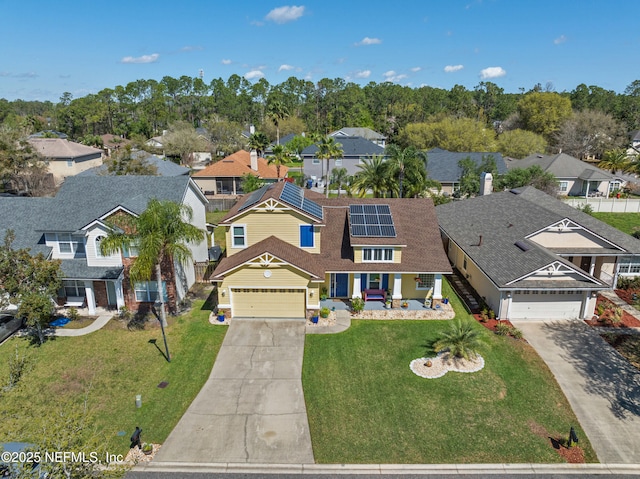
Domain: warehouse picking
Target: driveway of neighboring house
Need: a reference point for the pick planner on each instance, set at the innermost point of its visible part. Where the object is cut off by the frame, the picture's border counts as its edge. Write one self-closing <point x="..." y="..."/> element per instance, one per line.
<point x="601" y="386"/>
<point x="252" y="408"/>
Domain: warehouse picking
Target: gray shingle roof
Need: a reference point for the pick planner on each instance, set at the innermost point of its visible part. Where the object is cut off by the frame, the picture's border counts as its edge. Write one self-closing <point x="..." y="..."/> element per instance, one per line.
<point x="78" y="269"/>
<point x="23" y="216"/>
<point x="442" y="165"/>
<point x="352" y="146"/>
<point x="563" y="166"/>
<point x="164" y="168"/>
<point x="507" y="217"/>
<point x="364" y="132"/>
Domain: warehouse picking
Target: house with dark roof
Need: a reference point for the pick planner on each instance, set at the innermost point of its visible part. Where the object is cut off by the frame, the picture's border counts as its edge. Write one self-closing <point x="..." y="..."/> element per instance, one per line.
<point x="530" y="256"/>
<point x="224" y="177"/>
<point x="162" y="166"/>
<point x="70" y="226"/>
<point x="363" y="132"/>
<point x="355" y="150"/>
<point x="66" y="158"/>
<point x="442" y="166"/>
<point x="575" y="177"/>
<point x="286" y="246"/>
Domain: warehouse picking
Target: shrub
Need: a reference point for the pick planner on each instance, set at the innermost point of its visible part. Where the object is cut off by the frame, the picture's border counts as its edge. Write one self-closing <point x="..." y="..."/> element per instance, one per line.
<point x="462" y="340"/>
<point x="516" y="333"/>
<point x="503" y="329"/>
<point x="484" y="315"/>
<point x="324" y="312"/>
<point x="357" y="304"/>
<point x="72" y="314"/>
<point x="600" y="309"/>
<point x="492" y="314"/>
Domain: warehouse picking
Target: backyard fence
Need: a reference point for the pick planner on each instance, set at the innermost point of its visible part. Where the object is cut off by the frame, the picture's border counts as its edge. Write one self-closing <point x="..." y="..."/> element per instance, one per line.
<point x="606" y="205"/>
<point x="203" y="271"/>
<point x="220" y="204"/>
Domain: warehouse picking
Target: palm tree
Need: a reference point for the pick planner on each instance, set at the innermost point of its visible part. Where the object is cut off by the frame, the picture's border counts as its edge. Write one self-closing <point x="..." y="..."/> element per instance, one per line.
<point x="328" y="148"/>
<point x="374" y="176"/>
<point x="277" y="111"/>
<point x="259" y="142"/>
<point x="614" y="160"/>
<point x="633" y="165"/>
<point x="160" y="233"/>
<point x="462" y="340"/>
<point x="407" y="163"/>
<point x="339" y="177"/>
<point x="281" y="156"/>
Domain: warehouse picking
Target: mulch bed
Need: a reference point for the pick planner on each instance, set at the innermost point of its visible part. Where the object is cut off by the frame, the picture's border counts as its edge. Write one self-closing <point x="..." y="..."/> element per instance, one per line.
<point x="573" y="455"/>
<point x="628" y="321"/>
<point x="491" y="324"/>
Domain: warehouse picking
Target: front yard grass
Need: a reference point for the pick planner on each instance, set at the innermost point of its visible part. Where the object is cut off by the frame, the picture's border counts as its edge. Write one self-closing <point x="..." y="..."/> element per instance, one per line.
<point x="111" y="367"/>
<point x="627" y="222"/>
<point x="366" y="406"/>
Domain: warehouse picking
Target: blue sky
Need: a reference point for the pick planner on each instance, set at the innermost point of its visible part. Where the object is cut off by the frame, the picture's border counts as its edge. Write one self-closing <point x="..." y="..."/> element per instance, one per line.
<point x="82" y="47"/>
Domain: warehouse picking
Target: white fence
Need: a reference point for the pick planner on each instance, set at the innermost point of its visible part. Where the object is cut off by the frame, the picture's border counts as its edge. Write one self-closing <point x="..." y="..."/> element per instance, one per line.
<point x="606" y="205"/>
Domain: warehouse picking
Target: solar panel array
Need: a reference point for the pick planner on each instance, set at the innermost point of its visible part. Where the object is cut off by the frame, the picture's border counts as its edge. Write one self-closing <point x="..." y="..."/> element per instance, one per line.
<point x="294" y="196"/>
<point x="254" y="197"/>
<point x="371" y="220"/>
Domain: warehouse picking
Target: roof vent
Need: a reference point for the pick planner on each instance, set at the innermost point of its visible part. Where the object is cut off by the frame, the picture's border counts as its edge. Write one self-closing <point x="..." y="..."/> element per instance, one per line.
<point x="522" y="245"/>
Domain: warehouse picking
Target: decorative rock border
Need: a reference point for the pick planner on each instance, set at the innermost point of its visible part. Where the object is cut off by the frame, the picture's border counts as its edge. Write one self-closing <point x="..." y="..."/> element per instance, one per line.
<point x="443" y="363"/>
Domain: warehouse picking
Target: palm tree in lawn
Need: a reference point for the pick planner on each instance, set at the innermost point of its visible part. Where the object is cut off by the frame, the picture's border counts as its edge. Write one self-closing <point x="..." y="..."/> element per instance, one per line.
<point x="281" y="156"/>
<point x="277" y="111"/>
<point x="403" y="162"/>
<point x="614" y="160"/>
<point x="373" y="176"/>
<point x="160" y="233"/>
<point x="328" y="148"/>
<point x="462" y="340"/>
<point x="339" y="177"/>
<point x="259" y="142"/>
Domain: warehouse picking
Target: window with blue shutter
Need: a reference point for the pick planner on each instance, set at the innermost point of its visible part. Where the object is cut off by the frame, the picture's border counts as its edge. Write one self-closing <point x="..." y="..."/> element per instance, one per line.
<point x="306" y="236"/>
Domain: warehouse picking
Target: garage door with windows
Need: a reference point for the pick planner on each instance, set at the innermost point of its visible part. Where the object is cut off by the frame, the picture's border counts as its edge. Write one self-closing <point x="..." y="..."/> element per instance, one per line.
<point x="268" y="303"/>
<point x="535" y="305"/>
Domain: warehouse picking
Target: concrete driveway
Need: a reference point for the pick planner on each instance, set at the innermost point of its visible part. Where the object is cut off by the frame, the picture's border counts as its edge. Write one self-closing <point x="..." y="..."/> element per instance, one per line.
<point x="252" y="408"/>
<point x="601" y="386"/>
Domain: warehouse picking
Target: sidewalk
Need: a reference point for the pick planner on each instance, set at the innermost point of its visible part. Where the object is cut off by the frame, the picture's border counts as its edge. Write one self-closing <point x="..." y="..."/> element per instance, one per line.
<point x="97" y="324"/>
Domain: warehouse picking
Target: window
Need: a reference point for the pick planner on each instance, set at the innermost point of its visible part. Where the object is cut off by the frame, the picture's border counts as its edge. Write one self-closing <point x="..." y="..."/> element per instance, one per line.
<point x="338" y="162"/>
<point x="98" y="240"/>
<point x="238" y="234"/>
<point x="316" y="161"/>
<point x="306" y="236"/>
<point x="73" y="288"/>
<point x="374" y="280"/>
<point x="563" y="185"/>
<point x="425" y="281"/>
<point x="629" y="267"/>
<point x="377" y="255"/>
<point x="147" y="291"/>
<point x="130" y="251"/>
<point x="70" y="245"/>
<point x="70" y="163"/>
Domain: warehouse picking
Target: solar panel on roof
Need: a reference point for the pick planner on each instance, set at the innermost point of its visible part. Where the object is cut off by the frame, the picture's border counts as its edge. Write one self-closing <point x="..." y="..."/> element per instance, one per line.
<point x="358" y="230"/>
<point x="355" y="209"/>
<point x="370" y="209"/>
<point x="294" y="196"/>
<point x="253" y="198"/>
<point x="375" y="222"/>
<point x="383" y="209"/>
<point x="357" y="219"/>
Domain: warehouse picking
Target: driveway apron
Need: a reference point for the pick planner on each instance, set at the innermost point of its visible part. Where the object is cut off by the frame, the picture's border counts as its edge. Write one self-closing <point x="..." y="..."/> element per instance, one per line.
<point x="601" y="386"/>
<point x="252" y="408"/>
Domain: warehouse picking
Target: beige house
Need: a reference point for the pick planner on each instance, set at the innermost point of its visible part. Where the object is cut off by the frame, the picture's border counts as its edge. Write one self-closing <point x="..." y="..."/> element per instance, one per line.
<point x="530" y="256"/>
<point x="65" y="158"/>
<point x="287" y="247"/>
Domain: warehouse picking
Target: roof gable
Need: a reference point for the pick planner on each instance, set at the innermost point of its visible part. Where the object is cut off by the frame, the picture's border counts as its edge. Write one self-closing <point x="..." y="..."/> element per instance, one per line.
<point x="239" y="164"/>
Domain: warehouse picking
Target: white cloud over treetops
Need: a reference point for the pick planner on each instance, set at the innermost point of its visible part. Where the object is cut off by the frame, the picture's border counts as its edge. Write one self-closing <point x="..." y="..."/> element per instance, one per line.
<point x="226" y="61"/>
<point x="253" y="74"/>
<point x="143" y="59"/>
<point x="285" y="67"/>
<point x="285" y="14"/>
<point x="369" y="41"/>
<point x="453" y="68"/>
<point x="392" y="76"/>
<point x="492" y="72"/>
<point x="363" y="74"/>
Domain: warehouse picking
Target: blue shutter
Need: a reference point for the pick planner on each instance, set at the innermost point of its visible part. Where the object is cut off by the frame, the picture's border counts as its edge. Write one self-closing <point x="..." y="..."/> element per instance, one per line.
<point x="306" y="236"/>
<point x="385" y="281"/>
<point x="364" y="284"/>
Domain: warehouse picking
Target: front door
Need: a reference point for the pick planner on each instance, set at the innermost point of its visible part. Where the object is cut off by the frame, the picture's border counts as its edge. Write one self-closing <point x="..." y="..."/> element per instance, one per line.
<point x="339" y="285"/>
<point x="585" y="264"/>
<point x="111" y="294"/>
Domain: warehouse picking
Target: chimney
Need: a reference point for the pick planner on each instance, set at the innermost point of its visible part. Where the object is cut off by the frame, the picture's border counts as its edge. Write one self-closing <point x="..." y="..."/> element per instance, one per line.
<point x="486" y="183"/>
<point x="254" y="160"/>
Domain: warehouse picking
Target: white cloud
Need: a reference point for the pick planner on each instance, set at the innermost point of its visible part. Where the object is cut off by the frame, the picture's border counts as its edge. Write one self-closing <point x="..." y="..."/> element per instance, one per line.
<point x="492" y="72"/>
<point x="285" y="67"/>
<point x="560" y="39"/>
<point x="253" y="75"/>
<point x="416" y="69"/>
<point x="392" y="76"/>
<point x="453" y="68"/>
<point x="368" y="41"/>
<point x="285" y="14"/>
<point x="143" y="59"/>
<point x="363" y="74"/>
<point x="226" y="61"/>
<point x="191" y="48"/>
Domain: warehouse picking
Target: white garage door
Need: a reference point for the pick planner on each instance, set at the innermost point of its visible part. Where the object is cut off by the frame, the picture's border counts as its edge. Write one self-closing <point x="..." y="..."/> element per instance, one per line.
<point x="268" y="303"/>
<point x="546" y="306"/>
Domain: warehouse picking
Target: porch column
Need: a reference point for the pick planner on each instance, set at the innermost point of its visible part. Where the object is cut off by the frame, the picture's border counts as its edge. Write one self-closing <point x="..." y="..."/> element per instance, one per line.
<point x="91" y="297"/>
<point x="357" y="288"/>
<point x="397" y="286"/>
<point x="119" y="294"/>
<point x="234" y="185"/>
<point x="437" y="286"/>
<point x="592" y="266"/>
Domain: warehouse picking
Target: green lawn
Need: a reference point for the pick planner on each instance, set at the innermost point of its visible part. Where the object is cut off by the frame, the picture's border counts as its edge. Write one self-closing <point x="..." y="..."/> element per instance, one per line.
<point x="113" y="365"/>
<point x="366" y="406"/>
<point x="214" y="217"/>
<point x="627" y="222"/>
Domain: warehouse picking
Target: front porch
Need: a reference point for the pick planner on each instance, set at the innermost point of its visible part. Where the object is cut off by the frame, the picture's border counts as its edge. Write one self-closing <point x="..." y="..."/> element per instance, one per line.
<point x="377" y="310"/>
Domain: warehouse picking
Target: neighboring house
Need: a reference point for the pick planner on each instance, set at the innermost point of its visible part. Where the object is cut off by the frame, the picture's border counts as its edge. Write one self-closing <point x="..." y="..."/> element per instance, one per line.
<point x="65" y="158"/>
<point x="355" y="150"/>
<point x="224" y="177"/>
<point x="49" y="134"/>
<point x="164" y="167"/>
<point x="366" y="133"/>
<point x="634" y="148"/>
<point x="112" y="143"/>
<point x="156" y="141"/>
<point x="198" y="160"/>
<point x="70" y="226"/>
<point x="286" y="246"/>
<point x="530" y="256"/>
<point x="575" y="177"/>
<point x="442" y="166"/>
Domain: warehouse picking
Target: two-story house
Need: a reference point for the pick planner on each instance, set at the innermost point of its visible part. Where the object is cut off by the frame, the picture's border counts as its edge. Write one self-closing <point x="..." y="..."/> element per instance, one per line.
<point x="66" y="158"/>
<point x="70" y="227"/>
<point x="287" y="246"/>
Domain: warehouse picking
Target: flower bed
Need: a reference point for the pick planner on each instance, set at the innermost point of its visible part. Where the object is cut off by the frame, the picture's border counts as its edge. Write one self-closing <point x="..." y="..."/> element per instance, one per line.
<point x="607" y="319"/>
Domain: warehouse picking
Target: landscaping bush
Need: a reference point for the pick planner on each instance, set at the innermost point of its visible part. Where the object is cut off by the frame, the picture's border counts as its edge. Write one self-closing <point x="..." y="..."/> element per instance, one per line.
<point x="324" y="312"/>
<point x="357" y="304"/>
<point x="462" y="340"/>
<point x="503" y="329"/>
<point x="73" y="314"/>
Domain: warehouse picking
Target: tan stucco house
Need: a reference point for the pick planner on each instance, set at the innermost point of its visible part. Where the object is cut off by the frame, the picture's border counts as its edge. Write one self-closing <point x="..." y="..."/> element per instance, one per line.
<point x="287" y="246"/>
<point x="530" y="256"/>
<point x="65" y="158"/>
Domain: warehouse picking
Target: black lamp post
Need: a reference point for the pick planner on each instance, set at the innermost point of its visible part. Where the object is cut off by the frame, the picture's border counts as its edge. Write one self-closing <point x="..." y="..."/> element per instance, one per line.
<point x="157" y="305"/>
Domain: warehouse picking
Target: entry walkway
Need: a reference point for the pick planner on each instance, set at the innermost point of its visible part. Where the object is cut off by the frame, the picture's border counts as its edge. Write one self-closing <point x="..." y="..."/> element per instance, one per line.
<point x="252" y="408"/>
<point x="601" y="386"/>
